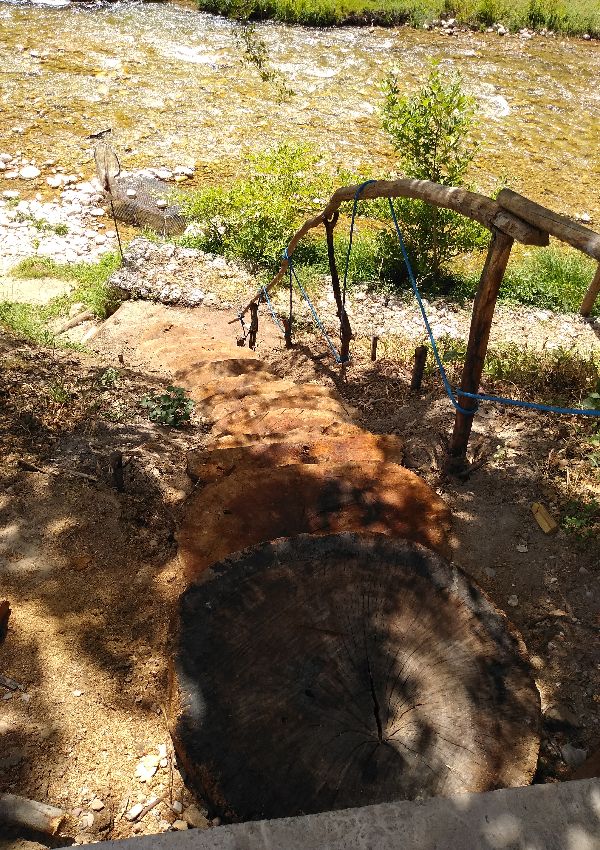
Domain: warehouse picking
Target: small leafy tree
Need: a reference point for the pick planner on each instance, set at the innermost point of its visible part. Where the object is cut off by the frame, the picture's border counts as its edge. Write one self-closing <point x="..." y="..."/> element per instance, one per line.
<point x="431" y="131"/>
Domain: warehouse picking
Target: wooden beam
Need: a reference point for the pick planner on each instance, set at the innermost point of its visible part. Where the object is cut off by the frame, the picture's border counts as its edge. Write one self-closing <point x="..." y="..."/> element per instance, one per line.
<point x="589" y="300"/>
<point x="481" y="323"/>
<point x="470" y="204"/>
<point x="418" y="367"/>
<point x="562" y="228"/>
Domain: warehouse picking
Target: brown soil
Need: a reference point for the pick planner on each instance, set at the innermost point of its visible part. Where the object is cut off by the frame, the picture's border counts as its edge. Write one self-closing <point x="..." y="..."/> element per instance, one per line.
<point x="92" y="577"/>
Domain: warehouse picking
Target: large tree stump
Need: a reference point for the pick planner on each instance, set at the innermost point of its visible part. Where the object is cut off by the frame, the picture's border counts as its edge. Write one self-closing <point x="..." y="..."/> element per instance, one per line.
<point x="316" y="673"/>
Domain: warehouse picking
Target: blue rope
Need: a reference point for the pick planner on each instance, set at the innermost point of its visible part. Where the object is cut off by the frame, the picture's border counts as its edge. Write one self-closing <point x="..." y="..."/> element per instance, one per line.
<point x="527" y="405"/>
<point x="304" y="294"/>
<point x="272" y="311"/>
<point x="349" y="251"/>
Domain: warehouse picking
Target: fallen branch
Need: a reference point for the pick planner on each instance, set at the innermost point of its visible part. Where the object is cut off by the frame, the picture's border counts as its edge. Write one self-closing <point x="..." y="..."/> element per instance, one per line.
<point x="31" y="467"/>
<point x="84" y="316"/>
<point x="23" y="812"/>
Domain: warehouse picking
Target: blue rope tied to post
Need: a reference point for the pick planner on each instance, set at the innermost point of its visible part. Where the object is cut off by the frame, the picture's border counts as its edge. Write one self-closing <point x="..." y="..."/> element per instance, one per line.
<point x="357" y="195"/>
<point x="315" y="315"/>
<point x="272" y="311"/>
<point x="477" y="397"/>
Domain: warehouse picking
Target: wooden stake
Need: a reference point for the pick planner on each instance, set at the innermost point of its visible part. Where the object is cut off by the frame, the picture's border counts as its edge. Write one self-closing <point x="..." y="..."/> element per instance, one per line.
<point x="345" y="328"/>
<point x="23" y="812"/>
<point x="590" y="296"/>
<point x="374" y="341"/>
<point x="419" y="367"/>
<point x="4" y="615"/>
<point x="481" y="323"/>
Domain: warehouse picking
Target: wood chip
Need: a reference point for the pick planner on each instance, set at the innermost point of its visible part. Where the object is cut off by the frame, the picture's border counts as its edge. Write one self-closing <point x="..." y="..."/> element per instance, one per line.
<point x="544" y="518"/>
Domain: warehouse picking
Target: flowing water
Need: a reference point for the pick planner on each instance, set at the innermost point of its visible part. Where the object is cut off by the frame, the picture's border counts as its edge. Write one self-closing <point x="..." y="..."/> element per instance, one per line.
<point x="171" y="82"/>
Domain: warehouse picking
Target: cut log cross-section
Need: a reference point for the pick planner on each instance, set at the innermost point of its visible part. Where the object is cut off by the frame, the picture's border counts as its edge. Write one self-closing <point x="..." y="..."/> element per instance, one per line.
<point x="326" y="672"/>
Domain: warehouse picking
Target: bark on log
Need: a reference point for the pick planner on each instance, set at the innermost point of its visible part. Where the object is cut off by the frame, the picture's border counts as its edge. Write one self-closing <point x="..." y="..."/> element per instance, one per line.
<point x="345" y="328"/>
<point x="322" y="673"/>
<point x="562" y="228"/>
<point x="589" y="300"/>
<point x="481" y="323"/>
<point x="29" y="813"/>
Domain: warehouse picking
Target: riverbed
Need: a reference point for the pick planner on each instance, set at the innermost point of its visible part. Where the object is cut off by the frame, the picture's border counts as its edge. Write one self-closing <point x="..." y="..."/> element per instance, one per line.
<point x="172" y="84"/>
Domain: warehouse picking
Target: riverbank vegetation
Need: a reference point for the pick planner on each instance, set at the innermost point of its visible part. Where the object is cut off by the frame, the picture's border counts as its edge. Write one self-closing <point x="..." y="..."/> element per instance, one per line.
<point x="578" y="17"/>
<point x="431" y="129"/>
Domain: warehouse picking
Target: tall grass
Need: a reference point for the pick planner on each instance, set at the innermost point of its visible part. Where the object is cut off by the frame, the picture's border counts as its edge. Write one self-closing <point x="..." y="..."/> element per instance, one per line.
<point x="573" y="18"/>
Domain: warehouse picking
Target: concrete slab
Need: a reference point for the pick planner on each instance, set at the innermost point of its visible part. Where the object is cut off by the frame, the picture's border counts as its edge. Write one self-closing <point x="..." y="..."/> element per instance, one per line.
<point x="563" y="816"/>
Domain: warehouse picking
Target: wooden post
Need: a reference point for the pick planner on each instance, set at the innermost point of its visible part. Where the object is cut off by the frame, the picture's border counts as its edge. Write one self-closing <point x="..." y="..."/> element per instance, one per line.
<point x="374" y="342"/>
<point x="590" y="296"/>
<point x="481" y="323"/>
<point x="419" y="367"/>
<point x="345" y="328"/>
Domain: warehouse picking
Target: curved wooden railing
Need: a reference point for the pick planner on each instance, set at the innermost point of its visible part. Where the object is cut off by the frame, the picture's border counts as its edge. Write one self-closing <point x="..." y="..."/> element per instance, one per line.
<point x="511" y="217"/>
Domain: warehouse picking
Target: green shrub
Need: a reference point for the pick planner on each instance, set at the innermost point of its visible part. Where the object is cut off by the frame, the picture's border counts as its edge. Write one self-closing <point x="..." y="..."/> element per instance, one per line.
<point x="172" y="407"/>
<point x="431" y="132"/>
<point x="551" y="278"/>
<point x="91" y="282"/>
<point x="254" y="219"/>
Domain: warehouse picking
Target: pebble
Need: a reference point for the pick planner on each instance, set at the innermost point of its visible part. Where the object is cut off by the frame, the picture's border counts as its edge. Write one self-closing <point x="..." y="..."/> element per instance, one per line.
<point x="161" y="204"/>
<point x="194" y="817"/>
<point x="86" y="821"/>
<point x="5" y="157"/>
<point x="97" y="211"/>
<point x="177" y="807"/>
<point x="179" y="825"/>
<point x="29" y="172"/>
<point x="77" y="693"/>
<point x="11" y="194"/>
<point x="96" y="805"/>
<point x="513" y="600"/>
<point x="573" y="756"/>
<point x="134" y="811"/>
<point x="55" y="181"/>
<point x="131" y="193"/>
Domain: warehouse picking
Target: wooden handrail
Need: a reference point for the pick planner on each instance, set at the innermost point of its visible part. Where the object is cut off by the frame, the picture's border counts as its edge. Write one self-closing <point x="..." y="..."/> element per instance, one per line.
<point x="478" y="207"/>
<point x="562" y="228"/>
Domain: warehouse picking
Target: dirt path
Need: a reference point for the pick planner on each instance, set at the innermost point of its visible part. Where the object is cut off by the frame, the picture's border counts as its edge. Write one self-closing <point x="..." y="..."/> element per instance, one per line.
<point x="92" y="576"/>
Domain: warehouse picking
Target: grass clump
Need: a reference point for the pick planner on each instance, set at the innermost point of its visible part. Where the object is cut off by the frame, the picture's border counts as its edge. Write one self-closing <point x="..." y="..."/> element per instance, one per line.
<point x="91" y="289"/>
<point x="91" y="283"/>
<point x="572" y="18"/>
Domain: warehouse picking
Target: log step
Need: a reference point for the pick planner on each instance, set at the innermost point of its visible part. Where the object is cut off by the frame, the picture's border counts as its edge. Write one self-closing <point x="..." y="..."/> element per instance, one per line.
<point x="218" y="461"/>
<point x="320" y="673"/>
<point x="245" y="508"/>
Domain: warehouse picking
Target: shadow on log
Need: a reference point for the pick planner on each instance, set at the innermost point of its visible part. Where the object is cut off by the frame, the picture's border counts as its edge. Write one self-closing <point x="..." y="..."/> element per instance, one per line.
<point x="318" y="673"/>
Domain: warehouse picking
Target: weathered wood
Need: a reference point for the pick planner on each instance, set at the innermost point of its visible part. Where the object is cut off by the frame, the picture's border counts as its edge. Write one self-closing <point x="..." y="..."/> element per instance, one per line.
<point x="4" y="617"/>
<point x="560" y="226"/>
<point x="587" y="305"/>
<point x="321" y="673"/>
<point x="79" y="319"/>
<point x="478" y="207"/>
<point x="29" y="813"/>
<point x="481" y="323"/>
<point x="253" y="331"/>
<point x="374" y="344"/>
<point x="418" y="367"/>
<point x="345" y="328"/>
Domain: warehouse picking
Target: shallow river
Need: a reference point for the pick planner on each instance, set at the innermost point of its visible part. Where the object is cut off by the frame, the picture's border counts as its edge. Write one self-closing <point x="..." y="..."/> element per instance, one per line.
<point x="171" y="83"/>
